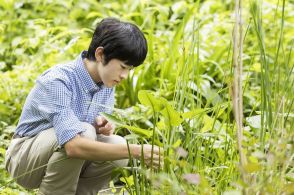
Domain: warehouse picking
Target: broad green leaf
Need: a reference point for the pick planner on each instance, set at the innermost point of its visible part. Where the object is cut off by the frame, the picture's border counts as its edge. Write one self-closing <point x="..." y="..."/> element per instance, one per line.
<point x="118" y="122"/>
<point x="208" y="122"/>
<point x="173" y="117"/>
<point x="112" y="119"/>
<point x="253" y="159"/>
<point x="128" y="180"/>
<point x="254" y="121"/>
<point x="132" y="137"/>
<point x="147" y="99"/>
<point x="256" y="67"/>
<point x="193" y="113"/>
<point x="177" y="143"/>
<point x="212" y="96"/>
<point x="138" y="130"/>
<point x="252" y="167"/>
<point x="161" y="125"/>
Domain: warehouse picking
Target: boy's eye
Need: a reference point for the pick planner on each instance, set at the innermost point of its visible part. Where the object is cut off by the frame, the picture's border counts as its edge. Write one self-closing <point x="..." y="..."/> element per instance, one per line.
<point x="123" y="67"/>
<point x="126" y="67"/>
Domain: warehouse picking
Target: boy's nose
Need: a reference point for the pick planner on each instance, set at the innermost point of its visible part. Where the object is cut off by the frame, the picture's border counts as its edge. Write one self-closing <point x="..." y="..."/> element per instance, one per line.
<point x="124" y="74"/>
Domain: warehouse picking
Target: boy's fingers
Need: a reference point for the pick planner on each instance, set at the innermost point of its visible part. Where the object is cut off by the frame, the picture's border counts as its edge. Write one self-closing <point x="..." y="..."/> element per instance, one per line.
<point x="155" y="164"/>
<point x="107" y="130"/>
<point x="100" y="121"/>
<point x="103" y="130"/>
<point x="109" y="125"/>
<point x="156" y="149"/>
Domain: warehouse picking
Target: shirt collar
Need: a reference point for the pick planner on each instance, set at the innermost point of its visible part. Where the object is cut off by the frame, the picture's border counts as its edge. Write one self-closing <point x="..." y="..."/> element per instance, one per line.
<point x="87" y="82"/>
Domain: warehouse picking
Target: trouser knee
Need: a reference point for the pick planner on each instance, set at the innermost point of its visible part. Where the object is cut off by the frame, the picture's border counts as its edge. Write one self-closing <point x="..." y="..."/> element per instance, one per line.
<point x="114" y="139"/>
<point x="90" y="132"/>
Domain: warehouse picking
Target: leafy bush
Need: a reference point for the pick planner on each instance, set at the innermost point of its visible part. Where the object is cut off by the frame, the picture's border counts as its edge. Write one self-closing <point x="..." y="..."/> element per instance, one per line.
<point x="188" y="79"/>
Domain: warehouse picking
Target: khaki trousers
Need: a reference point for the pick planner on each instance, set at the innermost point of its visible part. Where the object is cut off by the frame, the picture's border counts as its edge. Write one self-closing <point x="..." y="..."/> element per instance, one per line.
<point x="38" y="162"/>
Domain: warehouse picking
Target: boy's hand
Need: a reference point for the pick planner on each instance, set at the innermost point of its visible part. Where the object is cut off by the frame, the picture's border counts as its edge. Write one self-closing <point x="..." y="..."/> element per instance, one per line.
<point x="156" y="158"/>
<point x="104" y="127"/>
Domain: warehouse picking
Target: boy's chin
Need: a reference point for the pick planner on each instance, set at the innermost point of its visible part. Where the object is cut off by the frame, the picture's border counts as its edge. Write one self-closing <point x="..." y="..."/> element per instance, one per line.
<point x="109" y="85"/>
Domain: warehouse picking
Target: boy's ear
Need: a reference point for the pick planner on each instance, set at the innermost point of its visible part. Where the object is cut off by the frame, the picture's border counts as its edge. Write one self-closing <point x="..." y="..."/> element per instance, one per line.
<point x="99" y="54"/>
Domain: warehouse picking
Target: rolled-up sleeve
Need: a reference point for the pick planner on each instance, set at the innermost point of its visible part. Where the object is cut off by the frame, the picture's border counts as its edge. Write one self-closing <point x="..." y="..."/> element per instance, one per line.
<point x="53" y="103"/>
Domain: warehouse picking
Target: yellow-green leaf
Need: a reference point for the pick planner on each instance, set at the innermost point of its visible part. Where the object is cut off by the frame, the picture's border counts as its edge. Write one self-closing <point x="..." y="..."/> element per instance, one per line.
<point x="177" y="143"/>
<point x="112" y="119"/>
<point x="193" y="113"/>
<point x="173" y="117"/>
<point x="208" y="122"/>
<point x="252" y="167"/>
<point x="138" y="130"/>
<point x="128" y="180"/>
<point x="148" y="99"/>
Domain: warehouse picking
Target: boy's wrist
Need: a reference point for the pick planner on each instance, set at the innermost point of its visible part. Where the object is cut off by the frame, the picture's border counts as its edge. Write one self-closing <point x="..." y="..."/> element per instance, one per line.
<point x="135" y="150"/>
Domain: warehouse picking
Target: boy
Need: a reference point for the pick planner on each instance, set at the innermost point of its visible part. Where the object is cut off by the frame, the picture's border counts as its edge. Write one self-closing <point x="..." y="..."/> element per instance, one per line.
<point x="61" y="144"/>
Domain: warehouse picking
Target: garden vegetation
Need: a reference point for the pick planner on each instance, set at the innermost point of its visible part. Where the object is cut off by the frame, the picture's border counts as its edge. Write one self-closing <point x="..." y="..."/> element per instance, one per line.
<point x="215" y="92"/>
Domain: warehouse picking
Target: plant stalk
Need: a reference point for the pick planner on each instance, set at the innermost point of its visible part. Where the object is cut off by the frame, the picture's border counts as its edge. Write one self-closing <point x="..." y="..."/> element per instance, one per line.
<point x="237" y="83"/>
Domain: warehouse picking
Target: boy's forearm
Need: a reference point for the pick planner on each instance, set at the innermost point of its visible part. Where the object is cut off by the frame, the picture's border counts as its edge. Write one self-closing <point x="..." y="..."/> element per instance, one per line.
<point x="86" y="149"/>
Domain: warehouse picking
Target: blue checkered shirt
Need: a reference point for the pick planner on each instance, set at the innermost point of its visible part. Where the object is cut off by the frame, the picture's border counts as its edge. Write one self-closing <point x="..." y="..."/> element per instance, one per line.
<point x="64" y="96"/>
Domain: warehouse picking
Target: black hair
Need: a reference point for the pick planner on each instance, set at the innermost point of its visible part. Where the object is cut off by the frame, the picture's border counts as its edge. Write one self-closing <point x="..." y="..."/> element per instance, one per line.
<point x="120" y="40"/>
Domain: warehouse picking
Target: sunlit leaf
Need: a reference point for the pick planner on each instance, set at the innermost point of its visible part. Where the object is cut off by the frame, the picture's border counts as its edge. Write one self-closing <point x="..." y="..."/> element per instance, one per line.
<point x="212" y="96"/>
<point x="256" y="67"/>
<point x="177" y="143"/>
<point x="128" y="180"/>
<point x="193" y="113"/>
<point x="145" y="132"/>
<point x="112" y="119"/>
<point x="148" y="99"/>
<point x="132" y="137"/>
<point x="253" y="159"/>
<point x="173" y="117"/>
<point x="208" y="123"/>
<point x="252" y="167"/>
<point x="254" y="121"/>
<point x="117" y="122"/>
<point x="161" y="125"/>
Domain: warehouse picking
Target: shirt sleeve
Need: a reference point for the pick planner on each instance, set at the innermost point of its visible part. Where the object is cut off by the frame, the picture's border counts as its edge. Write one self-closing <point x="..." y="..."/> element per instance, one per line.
<point x="53" y="100"/>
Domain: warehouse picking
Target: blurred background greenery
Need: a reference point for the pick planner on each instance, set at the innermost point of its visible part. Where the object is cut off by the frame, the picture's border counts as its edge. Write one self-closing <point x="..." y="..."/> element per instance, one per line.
<point x="189" y="65"/>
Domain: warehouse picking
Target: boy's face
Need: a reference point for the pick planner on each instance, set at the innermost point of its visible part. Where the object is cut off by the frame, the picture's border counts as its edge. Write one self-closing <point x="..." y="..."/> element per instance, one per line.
<point x="113" y="72"/>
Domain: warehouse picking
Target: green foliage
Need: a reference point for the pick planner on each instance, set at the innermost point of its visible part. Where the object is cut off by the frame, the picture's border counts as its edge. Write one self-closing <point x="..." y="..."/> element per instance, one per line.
<point x="180" y="98"/>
